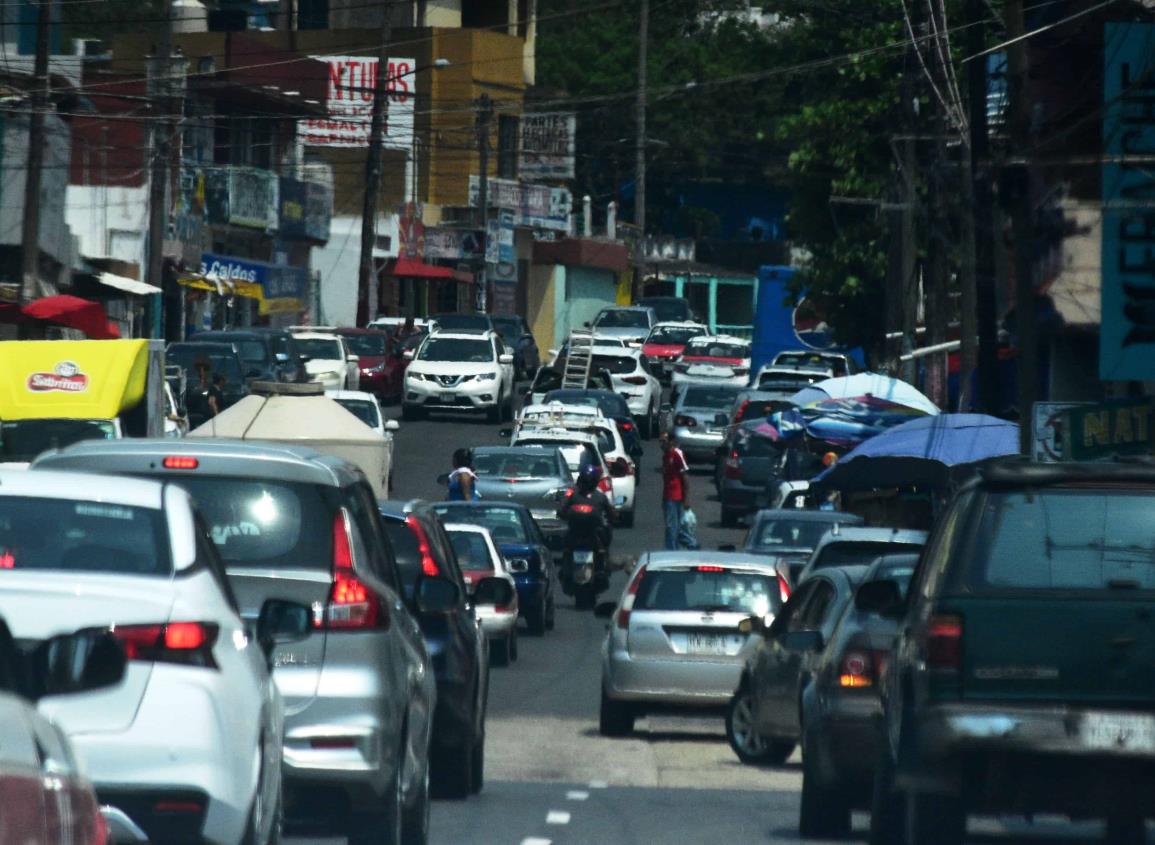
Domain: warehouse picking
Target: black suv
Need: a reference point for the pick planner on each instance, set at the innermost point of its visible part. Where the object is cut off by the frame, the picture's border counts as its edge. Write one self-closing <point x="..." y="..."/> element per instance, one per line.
<point x="1022" y="680"/>
<point x="266" y="354"/>
<point x="455" y="643"/>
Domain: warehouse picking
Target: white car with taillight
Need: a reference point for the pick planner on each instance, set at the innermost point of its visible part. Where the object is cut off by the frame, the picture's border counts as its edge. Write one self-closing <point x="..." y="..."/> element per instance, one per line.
<point x="188" y="746"/>
<point x="634" y="380"/>
<point x="713" y="359"/>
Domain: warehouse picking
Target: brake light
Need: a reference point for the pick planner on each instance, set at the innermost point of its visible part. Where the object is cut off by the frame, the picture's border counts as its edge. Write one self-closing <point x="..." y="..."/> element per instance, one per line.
<point x="605" y="485"/>
<point x="629" y="598"/>
<point x="428" y="564"/>
<point x="685" y="422"/>
<point x="741" y="415"/>
<point x="856" y="670"/>
<point x="634" y="379"/>
<point x="708" y="568"/>
<point x="180" y="462"/>
<point x="783" y="586"/>
<point x="627" y="426"/>
<point x="185" y="643"/>
<point x="351" y="603"/>
<point x="732" y="469"/>
<point x="944" y="642"/>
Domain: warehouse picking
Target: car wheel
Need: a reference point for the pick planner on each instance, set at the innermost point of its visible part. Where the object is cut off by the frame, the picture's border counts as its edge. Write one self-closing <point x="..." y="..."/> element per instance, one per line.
<point x="933" y="819"/>
<point x="535" y="620"/>
<point x="382" y="827"/>
<point x="745" y="740"/>
<point x="887" y="813"/>
<point x="550" y="614"/>
<point x="415" y="818"/>
<point x="499" y="652"/>
<point x="477" y="763"/>
<point x="824" y="812"/>
<point x="615" y="718"/>
<point x="453" y="771"/>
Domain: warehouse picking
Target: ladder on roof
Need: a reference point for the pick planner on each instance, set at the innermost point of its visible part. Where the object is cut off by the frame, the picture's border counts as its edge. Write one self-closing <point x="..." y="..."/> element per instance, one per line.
<point x="578" y="360"/>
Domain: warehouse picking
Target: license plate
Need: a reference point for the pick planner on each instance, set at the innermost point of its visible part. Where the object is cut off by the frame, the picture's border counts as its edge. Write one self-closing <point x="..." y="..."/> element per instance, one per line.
<point x="448" y="397"/>
<point x="1121" y="731"/>
<point x="583" y="557"/>
<point x="705" y="644"/>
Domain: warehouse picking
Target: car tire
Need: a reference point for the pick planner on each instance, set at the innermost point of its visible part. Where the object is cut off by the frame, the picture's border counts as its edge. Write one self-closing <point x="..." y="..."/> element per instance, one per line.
<point x="535" y="620"/>
<point x="384" y="827"/>
<point x="933" y="819"/>
<point x="493" y="415"/>
<point x="615" y="718"/>
<point x="453" y="771"/>
<point x="550" y="614"/>
<point x="477" y="764"/>
<point x="415" y="818"/>
<point x="887" y="812"/>
<point x="499" y="652"/>
<point x="513" y="644"/>
<point x="824" y="811"/>
<point x="749" y="746"/>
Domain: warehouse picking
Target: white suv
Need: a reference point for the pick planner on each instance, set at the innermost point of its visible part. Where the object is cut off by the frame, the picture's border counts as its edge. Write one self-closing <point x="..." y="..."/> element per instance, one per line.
<point x="328" y="359"/>
<point x="632" y="377"/>
<point x="459" y="371"/>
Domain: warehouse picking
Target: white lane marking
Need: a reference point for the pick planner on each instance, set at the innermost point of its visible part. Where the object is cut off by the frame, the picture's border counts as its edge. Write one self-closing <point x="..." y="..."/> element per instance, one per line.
<point x="557" y="817"/>
<point x="577" y="795"/>
<point x="536" y="840"/>
<point x="598" y="784"/>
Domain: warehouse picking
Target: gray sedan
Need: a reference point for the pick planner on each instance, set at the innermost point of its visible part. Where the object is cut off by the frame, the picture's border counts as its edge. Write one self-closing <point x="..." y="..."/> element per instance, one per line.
<point x="535" y="476"/>
<point x="701" y="415"/>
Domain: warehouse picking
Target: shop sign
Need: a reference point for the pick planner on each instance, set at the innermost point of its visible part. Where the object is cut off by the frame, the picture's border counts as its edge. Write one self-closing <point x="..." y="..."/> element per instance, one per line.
<point x="1047" y="429"/>
<point x="452" y="244"/>
<point x="1114" y="428"/>
<point x="284" y="288"/>
<point x="533" y="206"/>
<point x="318" y="210"/>
<point x="306" y="210"/>
<point x="292" y="216"/>
<point x="352" y="80"/>
<point x="242" y="196"/>
<point x="547" y="145"/>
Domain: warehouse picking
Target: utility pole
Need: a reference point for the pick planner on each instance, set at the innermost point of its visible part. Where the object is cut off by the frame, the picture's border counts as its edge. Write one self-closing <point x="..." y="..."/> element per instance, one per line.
<point x="484" y="117"/>
<point x="1018" y="181"/>
<point x="162" y="86"/>
<point x="368" y="282"/>
<point x="30" y="229"/>
<point x="640" y="153"/>
<point x="979" y="318"/>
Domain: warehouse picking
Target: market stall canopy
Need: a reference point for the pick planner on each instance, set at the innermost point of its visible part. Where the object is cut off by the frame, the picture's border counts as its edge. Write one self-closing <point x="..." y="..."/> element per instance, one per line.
<point x="126" y="284"/>
<point x="415" y="269"/>
<point x="931" y="451"/>
<point x="74" y="313"/>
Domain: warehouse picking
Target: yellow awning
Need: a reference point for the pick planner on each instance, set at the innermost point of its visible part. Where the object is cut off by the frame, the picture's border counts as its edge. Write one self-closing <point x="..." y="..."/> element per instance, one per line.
<point x="249" y="290"/>
<point x="71" y="379"/>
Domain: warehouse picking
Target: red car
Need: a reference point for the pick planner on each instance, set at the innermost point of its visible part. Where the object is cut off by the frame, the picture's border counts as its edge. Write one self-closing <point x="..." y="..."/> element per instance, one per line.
<point x="666" y="343"/>
<point x="382" y="367"/>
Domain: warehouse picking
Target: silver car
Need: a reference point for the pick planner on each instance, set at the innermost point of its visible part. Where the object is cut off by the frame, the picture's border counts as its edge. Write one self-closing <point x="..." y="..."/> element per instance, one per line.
<point x="359" y="693"/>
<point x="481" y="564"/>
<point x="674" y="639"/>
<point x="535" y="476"/>
<point x="700" y="417"/>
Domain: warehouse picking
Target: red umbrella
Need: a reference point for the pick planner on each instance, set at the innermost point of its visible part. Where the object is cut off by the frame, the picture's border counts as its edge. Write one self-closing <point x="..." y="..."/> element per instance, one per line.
<point x="74" y="313"/>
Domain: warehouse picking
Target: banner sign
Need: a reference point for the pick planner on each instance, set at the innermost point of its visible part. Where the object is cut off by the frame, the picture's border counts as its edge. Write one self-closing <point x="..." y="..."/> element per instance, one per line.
<point x="533" y="206"/>
<point x="1101" y="432"/>
<point x="1127" y="334"/>
<point x="284" y="288"/>
<point x="352" y="80"/>
<point x="242" y="196"/>
<point x="547" y="145"/>
<point x="452" y="244"/>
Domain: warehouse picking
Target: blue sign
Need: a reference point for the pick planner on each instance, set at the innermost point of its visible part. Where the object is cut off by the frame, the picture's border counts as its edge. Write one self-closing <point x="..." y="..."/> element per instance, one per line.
<point x="1127" y="334"/>
<point x="277" y="281"/>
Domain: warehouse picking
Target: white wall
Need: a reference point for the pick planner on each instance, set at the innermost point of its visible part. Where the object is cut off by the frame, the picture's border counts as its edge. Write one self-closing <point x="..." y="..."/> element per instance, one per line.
<point x="337" y="264"/>
<point x="109" y="221"/>
<point x="55" y="238"/>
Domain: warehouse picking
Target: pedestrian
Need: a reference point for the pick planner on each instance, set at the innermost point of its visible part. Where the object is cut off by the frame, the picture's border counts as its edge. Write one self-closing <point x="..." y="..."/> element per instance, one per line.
<point x="203" y="400"/>
<point x="675" y="487"/>
<point x="462" y="481"/>
<point x="408" y="329"/>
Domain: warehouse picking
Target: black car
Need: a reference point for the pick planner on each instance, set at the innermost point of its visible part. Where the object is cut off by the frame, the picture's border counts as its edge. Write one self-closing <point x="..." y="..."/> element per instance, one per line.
<point x="746" y="458"/>
<point x="669" y="309"/>
<point x="518" y="338"/>
<point x="763" y="720"/>
<point x="548" y="379"/>
<point x="456" y="645"/>
<point x="463" y="322"/>
<point x="841" y="710"/>
<point x="223" y="360"/>
<point x="791" y="536"/>
<point x="522" y="543"/>
<point x="612" y="405"/>
<point x="266" y="354"/>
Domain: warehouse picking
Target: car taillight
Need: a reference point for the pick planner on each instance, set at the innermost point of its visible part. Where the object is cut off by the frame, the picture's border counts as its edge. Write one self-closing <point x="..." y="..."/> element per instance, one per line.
<point x="856" y="670"/>
<point x="180" y="462"/>
<point x="185" y="643"/>
<point x="709" y="568"/>
<point x="629" y="598"/>
<point x="627" y="426"/>
<point x="741" y="415"/>
<point x="428" y="564"/>
<point x="944" y="642"/>
<point x="685" y="422"/>
<point x="605" y="485"/>
<point x="99" y="827"/>
<point x="784" y="590"/>
<point x="732" y="469"/>
<point x="352" y="605"/>
<point x="634" y="379"/>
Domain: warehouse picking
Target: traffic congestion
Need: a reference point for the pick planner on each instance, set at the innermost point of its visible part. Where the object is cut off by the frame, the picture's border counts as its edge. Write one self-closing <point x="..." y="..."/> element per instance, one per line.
<point x="673" y="596"/>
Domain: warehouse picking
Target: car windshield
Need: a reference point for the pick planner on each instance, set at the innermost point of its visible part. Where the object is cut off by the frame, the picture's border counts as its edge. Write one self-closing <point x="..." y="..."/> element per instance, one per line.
<point x="503" y="523"/>
<point x="462" y="322"/>
<point x="516" y="465"/>
<point x="668" y="310"/>
<point x="697" y="396"/>
<point x="508" y="327"/>
<point x="859" y="552"/>
<point x="610" y="404"/>
<point x="368" y="345"/>
<point x="617" y="365"/>
<point x="576" y="454"/>
<point x="1092" y="539"/>
<point x="622" y="319"/>
<point x="363" y="409"/>
<point x="82" y="537"/>
<point x="717" y="350"/>
<point x="674" y="335"/>
<point x="471" y="550"/>
<point x="220" y="362"/>
<point x="900" y="575"/>
<point x="253" y="352"/>
<point x="457" y="350"/>
<point x="706" y="588"/>
<point x="23" y="440"/>
<point x="322" y="348"/>
<point x="773" y="534"/>
<point x="265" y="524"/>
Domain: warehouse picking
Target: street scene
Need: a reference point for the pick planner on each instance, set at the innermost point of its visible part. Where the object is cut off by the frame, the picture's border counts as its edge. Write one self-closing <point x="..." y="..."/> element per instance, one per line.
<point x="565" y="422"/>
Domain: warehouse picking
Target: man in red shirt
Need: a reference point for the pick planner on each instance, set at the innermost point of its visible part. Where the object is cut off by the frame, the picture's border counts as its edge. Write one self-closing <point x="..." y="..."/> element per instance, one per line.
<point x="675" y="487"/>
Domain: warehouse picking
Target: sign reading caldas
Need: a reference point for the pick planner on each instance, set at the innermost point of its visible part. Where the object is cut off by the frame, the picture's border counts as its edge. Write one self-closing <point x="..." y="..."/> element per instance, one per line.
<point x="1113" y="428"/>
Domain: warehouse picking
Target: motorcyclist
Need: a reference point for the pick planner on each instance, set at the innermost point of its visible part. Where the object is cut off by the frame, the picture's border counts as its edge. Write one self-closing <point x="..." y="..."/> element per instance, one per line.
<point x="588" y="516"/>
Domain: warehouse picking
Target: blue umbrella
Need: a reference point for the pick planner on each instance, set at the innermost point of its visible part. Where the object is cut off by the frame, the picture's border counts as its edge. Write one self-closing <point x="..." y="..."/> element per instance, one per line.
<point x="927" y="451"/>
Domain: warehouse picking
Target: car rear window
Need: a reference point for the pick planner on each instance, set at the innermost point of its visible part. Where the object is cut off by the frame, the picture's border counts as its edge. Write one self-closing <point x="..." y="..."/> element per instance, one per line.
<point x="83" y="537"/>
<point x="859" y="552"/>
<point x="1092" y="539"/>
<point x="704" y="396"/>
<point x="780" y="381"/>
<point x="266" y="524"/>
<point x="706" y="588"/>
<point x="673" y="335"/>
<point x="503" y="523"/>
<point x="406" y="550"/>
<point x="716" y="350"/>
<point x="755" y="446"/>
<point x="367" y="345"/>
<point x="528" y="465"/>
<point x="363" y="409"/>
<point x="775" y="534"/>
<point x="618" y="365"/>
<point x="471" y="550"/>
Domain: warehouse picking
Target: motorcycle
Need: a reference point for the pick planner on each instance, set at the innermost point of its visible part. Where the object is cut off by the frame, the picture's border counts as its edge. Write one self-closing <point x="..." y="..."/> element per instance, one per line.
<point x="585" y="576"/>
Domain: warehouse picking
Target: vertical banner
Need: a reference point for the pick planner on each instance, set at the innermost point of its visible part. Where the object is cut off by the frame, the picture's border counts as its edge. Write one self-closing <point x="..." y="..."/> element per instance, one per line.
<point x="1127" y="334"/>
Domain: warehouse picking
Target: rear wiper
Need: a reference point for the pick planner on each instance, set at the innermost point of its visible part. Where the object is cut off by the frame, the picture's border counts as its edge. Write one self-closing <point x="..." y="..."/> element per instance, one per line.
<point x="1123" y="584"/>
<point x="716" y="608"/>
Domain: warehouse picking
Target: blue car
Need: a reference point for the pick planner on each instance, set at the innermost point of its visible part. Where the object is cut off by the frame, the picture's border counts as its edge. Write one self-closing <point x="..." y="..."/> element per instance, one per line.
<point x="522" y="543"/>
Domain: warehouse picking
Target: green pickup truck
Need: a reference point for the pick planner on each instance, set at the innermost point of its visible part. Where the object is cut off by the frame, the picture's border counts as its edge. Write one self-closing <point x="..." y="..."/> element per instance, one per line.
<point x="1023" y="676"/>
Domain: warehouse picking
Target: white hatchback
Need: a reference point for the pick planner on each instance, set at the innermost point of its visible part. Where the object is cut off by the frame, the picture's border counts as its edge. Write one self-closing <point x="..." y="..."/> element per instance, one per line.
<point x="188" y="746"/>
<point x="632" y="377"/>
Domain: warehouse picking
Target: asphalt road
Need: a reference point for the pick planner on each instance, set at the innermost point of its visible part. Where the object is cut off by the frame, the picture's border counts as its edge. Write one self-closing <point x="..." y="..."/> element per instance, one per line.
<point x="550" y="778"/>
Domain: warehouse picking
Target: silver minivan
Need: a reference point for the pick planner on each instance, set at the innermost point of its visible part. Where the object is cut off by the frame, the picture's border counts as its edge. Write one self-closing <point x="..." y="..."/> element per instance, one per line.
<point x="359" y="691"/>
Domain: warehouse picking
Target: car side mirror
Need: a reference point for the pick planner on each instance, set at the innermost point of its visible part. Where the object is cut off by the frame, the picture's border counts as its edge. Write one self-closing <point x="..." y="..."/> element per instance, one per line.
<point x="392" y="425"/>
<point x="436" y="594"/>
<point x="496" y="592"/>
<point x="756" y="625"/>
<point x="881" y="597"/>
<point x="802" y="641"/>
<point x="408" y="354"/>
<point x="352" y="359"/>
<point x="281" y="622"/>
<point x="73" y="663"/>
<point x="505" y="358"/>
<point x="619" y="468"/>
<point x="605" y="609"/>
